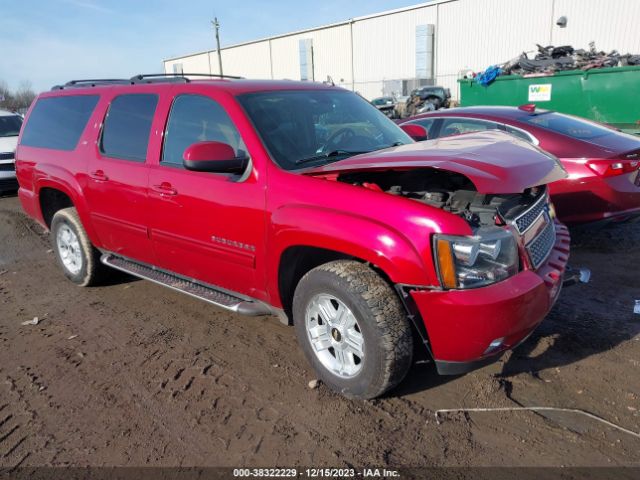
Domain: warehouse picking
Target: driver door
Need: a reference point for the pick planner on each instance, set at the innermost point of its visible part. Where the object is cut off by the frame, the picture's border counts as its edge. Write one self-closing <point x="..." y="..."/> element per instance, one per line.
<point x="206" y="226"/>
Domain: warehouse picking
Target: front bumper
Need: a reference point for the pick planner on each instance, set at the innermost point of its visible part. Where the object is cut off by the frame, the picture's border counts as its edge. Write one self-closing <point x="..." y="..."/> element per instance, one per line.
<point x="469" y="328"/>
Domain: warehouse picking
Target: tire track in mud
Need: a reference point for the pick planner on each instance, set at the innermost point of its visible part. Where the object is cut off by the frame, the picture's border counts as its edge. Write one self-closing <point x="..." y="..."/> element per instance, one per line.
<point x="206" y="385"/>
<point x="24" y="396"/>
<point x="201" y="381"/>
<point x="20" y="234"/>
<point x="213" y="398"/>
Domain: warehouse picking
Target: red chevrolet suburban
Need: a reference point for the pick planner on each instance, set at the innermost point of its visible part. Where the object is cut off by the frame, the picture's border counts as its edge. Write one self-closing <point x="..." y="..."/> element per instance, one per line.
<point x="301" y="200"/>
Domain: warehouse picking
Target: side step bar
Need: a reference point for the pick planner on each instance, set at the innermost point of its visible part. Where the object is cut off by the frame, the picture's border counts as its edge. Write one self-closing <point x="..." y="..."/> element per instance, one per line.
<point x="208" y="293"/>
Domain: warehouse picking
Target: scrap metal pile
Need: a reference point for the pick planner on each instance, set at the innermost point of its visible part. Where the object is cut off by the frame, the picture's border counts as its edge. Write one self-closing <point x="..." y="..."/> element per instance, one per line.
<point x="550" y="59"/>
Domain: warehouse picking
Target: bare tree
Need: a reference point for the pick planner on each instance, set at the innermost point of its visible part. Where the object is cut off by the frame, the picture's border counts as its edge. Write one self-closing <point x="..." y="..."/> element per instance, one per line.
<point x="19" y="100"/>
<point x="5" y="93"/>
<point x="25" y="95"/>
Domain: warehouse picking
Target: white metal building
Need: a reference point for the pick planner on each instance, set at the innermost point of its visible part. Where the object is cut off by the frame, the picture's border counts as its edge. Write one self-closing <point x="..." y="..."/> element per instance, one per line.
<point x="430" y="43"/>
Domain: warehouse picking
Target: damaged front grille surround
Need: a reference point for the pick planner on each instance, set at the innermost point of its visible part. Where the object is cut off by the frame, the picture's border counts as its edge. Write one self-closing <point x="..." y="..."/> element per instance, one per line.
<point x="540" y="247"/>
<point x="527" y="218"/>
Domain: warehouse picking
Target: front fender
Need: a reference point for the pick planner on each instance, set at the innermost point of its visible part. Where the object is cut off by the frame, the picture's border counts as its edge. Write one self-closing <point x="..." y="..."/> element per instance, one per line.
<point x="353" y="235"/>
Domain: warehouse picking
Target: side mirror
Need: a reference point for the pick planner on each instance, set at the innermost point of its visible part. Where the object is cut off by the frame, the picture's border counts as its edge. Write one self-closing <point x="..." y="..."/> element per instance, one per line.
<point x="415" y="131"/>
<point x="216" y="157"/>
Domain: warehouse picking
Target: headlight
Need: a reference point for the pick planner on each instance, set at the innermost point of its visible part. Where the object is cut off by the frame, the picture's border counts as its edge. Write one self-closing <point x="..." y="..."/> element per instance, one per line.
<point x="489" y="256"/>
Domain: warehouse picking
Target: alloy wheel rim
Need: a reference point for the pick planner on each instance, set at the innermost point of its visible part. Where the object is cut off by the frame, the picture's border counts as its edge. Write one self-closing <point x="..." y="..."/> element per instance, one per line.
<point x="335" y="335"/>
<point x="69" y="249"/>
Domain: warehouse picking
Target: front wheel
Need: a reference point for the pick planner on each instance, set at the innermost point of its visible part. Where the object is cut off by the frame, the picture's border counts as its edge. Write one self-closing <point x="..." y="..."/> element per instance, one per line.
<point x="352" y="329"/>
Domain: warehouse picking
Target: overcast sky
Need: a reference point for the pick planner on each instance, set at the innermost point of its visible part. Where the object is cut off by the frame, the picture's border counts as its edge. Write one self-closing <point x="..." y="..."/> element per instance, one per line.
<point x="52" y="41"/>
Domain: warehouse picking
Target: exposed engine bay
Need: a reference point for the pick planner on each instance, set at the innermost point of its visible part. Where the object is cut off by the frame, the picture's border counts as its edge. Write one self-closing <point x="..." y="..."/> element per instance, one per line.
<point x="448" y="191"/>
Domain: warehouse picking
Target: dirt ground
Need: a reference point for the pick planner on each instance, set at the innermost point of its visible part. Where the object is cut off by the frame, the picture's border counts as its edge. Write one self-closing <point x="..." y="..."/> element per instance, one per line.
<point x="134" y="374"/>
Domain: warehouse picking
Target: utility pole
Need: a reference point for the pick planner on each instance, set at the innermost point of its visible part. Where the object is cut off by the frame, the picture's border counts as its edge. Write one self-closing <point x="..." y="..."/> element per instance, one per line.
<point x="313" y="67"/>
<point x="216" y="25"/>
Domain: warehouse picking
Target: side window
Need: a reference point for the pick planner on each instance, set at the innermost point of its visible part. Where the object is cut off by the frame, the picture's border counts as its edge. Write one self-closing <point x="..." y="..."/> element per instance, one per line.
<point x="195" y="118"/>
<point x="456" y="126"/>
<point x="127" y="126"/>
<point x="58" y="122"/>
<point x="520" y="134"/>
<point x="427" y="123"/>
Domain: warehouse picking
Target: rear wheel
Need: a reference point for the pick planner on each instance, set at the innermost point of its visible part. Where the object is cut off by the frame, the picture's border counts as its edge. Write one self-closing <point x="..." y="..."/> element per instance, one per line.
<point x="79" y="259"/>
<point x="352" y="328"/>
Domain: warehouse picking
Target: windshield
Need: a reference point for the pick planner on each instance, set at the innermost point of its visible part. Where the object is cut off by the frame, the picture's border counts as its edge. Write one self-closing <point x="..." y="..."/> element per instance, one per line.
<point x="10" y="125"/>
<point x="431" y="91"/>
<point x="305" y="128"/>
<point x="567" y="125"/>
<point x="382" y="101"/>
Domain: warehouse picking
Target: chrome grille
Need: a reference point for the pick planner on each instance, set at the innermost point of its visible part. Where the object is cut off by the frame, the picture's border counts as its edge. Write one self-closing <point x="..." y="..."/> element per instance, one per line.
<point x="540" y="247"/>
<point x="525" y="220"/>
<point x="7" y="167"/>
<point x="7" y="156"/>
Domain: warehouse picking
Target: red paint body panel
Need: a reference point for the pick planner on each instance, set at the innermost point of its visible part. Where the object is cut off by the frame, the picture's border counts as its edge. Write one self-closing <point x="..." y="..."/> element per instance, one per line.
<point x="336" y="216"/>
<point x="234" y="233"/>
<point x="494" y="161"/>
<point x="583" y="196"/>
<point x="461" y="324"/>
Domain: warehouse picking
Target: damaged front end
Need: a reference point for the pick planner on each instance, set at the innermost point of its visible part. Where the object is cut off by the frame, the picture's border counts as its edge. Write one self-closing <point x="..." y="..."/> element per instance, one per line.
<point x="510" y="231"/>
<point x="495" y="281"/>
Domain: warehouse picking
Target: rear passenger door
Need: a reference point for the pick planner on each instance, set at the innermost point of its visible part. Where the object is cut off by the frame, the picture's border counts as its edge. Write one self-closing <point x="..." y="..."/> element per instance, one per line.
<point x="207" y="226"/>
<point x="118" y="176"/>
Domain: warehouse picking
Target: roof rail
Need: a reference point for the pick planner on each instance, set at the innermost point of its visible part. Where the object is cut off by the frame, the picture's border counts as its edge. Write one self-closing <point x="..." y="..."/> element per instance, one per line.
<point x="92" y="82"/>
<point x="176" y="77"/>
<point x="141" y="78"/>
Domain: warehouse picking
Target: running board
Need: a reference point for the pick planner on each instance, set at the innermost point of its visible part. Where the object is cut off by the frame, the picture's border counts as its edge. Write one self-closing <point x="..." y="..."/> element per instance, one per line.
<point x="207" y="293"/>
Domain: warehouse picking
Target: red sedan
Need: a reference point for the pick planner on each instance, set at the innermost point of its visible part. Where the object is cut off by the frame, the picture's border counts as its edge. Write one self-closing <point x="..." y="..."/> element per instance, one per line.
<point x="603" y="164"/>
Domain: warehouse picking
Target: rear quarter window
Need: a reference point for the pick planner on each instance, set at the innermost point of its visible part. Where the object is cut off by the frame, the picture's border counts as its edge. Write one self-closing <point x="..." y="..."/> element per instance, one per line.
<point x="58" y="122"/>
<point x="455" y="126"/>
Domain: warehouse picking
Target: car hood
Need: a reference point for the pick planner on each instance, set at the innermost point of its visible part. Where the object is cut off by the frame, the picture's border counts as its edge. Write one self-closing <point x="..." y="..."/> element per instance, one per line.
<point x="494" y="161"/>
<point x="8" y="144"/>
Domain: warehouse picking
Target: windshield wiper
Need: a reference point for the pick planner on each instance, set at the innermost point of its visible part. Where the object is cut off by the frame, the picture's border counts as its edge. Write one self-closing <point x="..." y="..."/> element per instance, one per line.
<point x="332" y="153"/>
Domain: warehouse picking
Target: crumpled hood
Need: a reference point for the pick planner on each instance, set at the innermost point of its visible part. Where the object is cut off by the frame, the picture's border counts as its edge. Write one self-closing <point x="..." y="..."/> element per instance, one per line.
<point x="494" y="161"/>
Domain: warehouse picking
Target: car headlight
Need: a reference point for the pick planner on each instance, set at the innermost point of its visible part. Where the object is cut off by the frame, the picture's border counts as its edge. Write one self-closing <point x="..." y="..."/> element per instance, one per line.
<point x="489" y="256"/>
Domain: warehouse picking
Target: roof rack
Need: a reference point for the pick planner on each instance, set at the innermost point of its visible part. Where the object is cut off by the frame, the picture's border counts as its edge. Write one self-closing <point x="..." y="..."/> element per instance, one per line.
<point x="176" y="77"/>
<point x="92" y="82"/>
<point x="141" y="78"/>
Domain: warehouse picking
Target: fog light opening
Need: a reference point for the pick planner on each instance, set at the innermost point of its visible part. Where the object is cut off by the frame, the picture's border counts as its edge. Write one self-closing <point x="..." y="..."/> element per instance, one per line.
<point x="494" y="345"/>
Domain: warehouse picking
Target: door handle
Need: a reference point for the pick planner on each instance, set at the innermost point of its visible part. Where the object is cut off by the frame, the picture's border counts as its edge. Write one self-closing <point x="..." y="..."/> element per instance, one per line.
<point x="98" y="176"/>
<point x="164" y="189"/>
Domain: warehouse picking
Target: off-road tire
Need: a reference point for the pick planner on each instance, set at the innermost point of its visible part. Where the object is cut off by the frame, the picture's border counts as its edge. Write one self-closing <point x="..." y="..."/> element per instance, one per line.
<point x="382" y="320"/>
<point x="92" y="270"/>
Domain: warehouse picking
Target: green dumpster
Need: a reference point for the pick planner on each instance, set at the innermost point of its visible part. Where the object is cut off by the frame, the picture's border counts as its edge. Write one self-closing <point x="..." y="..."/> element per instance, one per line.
<point x="607" y="95"/>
